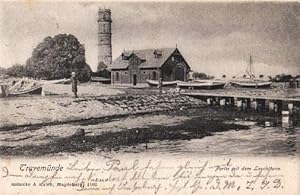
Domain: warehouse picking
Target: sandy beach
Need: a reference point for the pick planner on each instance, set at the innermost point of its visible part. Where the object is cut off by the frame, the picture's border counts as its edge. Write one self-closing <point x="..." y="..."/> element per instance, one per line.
<point x="95" y="101"/>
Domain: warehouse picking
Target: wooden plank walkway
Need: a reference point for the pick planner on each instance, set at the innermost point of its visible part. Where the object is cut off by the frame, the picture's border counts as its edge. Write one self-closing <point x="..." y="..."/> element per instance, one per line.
<point x="199" y="94"/>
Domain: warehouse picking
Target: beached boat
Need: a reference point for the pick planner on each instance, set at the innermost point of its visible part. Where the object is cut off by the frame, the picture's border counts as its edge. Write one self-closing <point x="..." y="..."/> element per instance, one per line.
<point x="25" y="87"/>
<point x="101" y="80"/>
<point x="33" y="90"/>
<point x="199" y="85"/>
<point x="154" y="83"/>
<point x="251" y="82"/>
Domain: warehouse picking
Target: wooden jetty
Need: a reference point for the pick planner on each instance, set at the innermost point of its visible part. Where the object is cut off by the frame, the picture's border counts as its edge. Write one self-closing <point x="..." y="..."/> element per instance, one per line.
<point x="246" y="102"/>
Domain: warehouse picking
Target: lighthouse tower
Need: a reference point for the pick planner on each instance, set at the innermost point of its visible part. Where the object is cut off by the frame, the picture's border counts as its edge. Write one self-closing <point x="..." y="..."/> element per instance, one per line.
<point x="104" y="36"/>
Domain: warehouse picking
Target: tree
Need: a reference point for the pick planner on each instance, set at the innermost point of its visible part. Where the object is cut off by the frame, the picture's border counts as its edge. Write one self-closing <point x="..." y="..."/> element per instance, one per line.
<point x="57" y="57"/>
<point x="3" y="71"/>
<point x="16" y="70"/>
<point x="282" y="78"/>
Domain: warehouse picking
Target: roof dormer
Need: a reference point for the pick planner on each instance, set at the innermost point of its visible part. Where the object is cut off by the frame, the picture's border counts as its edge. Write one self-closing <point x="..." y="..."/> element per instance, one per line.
<point x="157" y="53"/>
<point x="125" y="55"/>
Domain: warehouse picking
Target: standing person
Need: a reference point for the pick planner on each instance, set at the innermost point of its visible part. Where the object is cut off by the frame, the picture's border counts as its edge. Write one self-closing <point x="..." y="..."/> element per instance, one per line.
<point x="160" y="84"/>
<point x="74" y="84"/>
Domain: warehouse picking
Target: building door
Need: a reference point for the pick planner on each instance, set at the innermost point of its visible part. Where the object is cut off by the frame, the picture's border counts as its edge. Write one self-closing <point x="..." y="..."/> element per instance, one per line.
<point x="134" y="79"/>
<point x="154" y="76"/>
<point x="179" y="73"/>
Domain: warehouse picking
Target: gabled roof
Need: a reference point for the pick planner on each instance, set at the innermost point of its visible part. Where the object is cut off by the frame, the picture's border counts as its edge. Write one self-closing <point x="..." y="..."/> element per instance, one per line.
<point x="147" y="55"/>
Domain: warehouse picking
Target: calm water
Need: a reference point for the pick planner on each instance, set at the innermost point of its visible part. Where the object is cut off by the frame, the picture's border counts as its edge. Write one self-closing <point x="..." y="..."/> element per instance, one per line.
<point x="171" y="139"/>
<point x="257" y="140"/>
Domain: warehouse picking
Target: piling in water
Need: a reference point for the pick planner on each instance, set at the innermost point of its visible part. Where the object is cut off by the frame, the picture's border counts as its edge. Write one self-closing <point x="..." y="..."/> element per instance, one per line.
<point x="271" y="106"/>
<point x="285" y="119"/>
<point x="222" y="102"/>
<point x="291" y="108"/>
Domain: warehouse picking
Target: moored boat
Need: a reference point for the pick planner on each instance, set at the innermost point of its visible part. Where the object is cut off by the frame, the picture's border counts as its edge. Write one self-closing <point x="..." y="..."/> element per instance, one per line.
<point x="204" y="85"/>
<point x="251" y="82"/>
<point x="154" y="83"/>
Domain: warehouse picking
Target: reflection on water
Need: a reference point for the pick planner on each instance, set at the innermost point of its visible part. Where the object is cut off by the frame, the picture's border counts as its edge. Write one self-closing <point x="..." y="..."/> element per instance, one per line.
<point x="258" y="140"/>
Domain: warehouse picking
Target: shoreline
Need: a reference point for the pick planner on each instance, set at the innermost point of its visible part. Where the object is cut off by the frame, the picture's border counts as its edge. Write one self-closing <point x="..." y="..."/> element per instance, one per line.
<point x="66" y="110"/>
<point x="22" y="113"/>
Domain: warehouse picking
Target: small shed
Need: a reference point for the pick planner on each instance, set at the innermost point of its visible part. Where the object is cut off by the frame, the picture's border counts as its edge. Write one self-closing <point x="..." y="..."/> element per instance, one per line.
<point x="295" y="82"/>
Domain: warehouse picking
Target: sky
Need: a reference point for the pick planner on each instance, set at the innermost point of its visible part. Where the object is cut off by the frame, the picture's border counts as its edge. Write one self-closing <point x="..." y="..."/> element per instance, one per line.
<point x="215" y="38"/>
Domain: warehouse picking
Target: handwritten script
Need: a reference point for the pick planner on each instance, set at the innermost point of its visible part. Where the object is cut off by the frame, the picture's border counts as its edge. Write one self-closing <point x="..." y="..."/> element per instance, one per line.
<point x="113" y="176"/>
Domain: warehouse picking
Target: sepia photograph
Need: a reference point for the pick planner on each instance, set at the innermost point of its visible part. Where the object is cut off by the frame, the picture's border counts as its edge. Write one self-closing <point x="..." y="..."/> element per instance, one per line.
<point x="149" y="97"/>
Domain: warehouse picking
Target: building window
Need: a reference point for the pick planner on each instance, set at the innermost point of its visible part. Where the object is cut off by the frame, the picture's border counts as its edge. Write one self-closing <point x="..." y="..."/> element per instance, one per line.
<point x="154" y="76"/>
<point x="173" y="59"/>
<point x="135" y="61"/>
<point x="117" y="76"/>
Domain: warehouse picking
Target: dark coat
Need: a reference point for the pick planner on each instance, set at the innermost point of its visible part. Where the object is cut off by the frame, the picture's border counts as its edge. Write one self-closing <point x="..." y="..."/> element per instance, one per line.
<point x="74" y="84"/>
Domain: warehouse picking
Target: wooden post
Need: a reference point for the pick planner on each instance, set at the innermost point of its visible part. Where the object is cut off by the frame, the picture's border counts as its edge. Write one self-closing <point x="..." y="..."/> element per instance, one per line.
<point x="231" y="102"/>
<point x="228" y="102"/>
<point x="262" y="105"/>
<point x="239" y="105"/>
<point x="276" y="107"/>
<point x="285" y="119"/>
<point x="244" y="105"/>
<point x="248" y="104"/>
<point x="253" y="104"/>
<point x="5" y="90"/>
<point x="271" y="106"/>
<point x="43" y="92"/>
<point x="267" y="105"/>
<point x="208" y="100"/>
<point x="217" y="100"/>
<point x="235" y="101"/>
<point x="291" y="108"/>
<point x="222" y="102"/>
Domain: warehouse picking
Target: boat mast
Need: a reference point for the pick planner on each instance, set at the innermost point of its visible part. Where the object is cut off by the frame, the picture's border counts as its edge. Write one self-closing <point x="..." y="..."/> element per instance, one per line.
<point x="250" y="69"/>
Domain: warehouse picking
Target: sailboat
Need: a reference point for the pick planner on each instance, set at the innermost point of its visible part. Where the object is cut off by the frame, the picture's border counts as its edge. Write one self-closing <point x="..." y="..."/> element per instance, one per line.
<point x="251" y="82"/>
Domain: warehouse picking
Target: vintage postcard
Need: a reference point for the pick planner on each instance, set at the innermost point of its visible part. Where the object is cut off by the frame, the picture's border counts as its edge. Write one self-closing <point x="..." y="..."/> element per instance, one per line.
<point x="149" y="97"/>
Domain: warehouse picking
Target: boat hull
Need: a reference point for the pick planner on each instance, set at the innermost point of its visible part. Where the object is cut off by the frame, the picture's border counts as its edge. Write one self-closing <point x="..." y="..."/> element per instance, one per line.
<point x="209" y="86"/>
<point x="154" y="83"/>
<point x="101" y="80"/>
<point x="251" y="85"/>
<point x="36" y="90"/>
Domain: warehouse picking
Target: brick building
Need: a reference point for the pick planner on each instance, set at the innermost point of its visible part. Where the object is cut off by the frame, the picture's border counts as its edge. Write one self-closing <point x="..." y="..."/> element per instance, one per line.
<point x="135" y="67"/>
